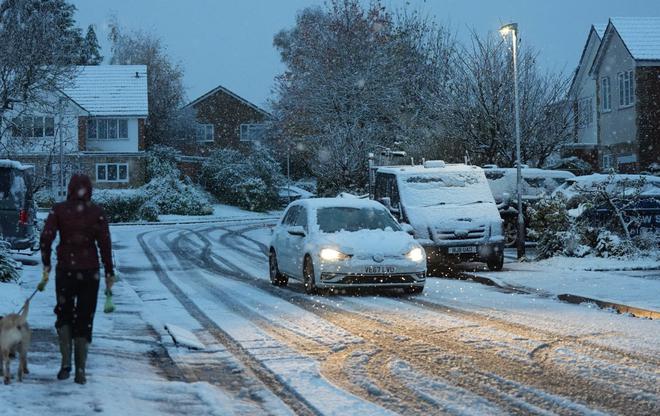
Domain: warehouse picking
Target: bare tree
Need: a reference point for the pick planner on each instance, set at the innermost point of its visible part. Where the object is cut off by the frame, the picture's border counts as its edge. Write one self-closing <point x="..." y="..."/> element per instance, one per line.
<point x="165" y="78"/>
<point x="37" y="50"/>
<point x="358" y="78"/>
<point x="481" y="117"/>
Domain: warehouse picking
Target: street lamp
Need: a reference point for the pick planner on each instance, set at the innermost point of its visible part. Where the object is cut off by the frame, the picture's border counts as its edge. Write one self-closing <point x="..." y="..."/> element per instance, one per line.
<point x="512" y="28"/>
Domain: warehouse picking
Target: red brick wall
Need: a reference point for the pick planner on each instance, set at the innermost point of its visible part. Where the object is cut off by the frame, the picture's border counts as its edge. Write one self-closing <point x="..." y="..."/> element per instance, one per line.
<point x="82" y="133"/>
<point x="142" y="145"/>
<point x="648" y="115"/>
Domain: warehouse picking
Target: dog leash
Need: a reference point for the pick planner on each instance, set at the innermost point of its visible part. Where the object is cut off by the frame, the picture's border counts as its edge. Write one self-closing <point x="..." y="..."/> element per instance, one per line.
<point x="28" y="300"/>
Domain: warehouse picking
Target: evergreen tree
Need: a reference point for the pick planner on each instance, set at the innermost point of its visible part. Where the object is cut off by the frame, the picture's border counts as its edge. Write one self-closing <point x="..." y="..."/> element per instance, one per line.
<point x="90" y="53"/>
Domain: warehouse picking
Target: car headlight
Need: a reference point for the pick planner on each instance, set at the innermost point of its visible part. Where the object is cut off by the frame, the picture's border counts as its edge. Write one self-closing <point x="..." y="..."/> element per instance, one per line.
<point x="416" y="254"/>
<point x="330" y="254"/>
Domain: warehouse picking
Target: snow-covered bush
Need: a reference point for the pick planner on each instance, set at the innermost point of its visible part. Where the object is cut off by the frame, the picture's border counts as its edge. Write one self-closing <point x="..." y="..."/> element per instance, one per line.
<point x="8" y="266"/>
<point x="161" y="162"/>
<point x="44" y="198"/>
<point x="174" y="196"/>
<point x="149" y="212"/>
<point x="120" y="205"/>
<point x="247" y="181"/>
<point x="611" y="245"/>
<point x="549" y="224"/>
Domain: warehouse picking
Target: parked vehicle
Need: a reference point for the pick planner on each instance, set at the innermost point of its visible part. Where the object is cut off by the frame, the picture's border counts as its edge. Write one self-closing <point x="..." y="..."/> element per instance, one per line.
<point x="637" y="196"/>
<point x="449" y="206"/>
<point x="535" y="184"/>
<point x="17" y="209"/>
<point x="344" y="242"/>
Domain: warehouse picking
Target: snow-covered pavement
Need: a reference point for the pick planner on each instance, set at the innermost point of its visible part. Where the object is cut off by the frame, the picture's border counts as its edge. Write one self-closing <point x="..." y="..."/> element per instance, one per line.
<point x="459" y="348"/>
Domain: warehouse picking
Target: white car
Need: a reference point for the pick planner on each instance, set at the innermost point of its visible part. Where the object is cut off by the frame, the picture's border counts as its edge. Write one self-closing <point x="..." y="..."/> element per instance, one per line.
<point x="345" y="242"/>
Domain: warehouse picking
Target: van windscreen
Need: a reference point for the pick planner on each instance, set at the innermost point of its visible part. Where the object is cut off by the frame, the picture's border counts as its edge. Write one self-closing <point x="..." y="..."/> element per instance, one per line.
<point x="450" y="189"/>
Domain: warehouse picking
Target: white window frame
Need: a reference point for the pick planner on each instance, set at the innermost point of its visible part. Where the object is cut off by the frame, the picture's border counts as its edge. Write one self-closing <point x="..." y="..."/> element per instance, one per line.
<point x="106" y="167"/>
<point x="606" y="94"/>
<point x="608" y="161"/>
<point x="248" y="131"/>
<point x="626" y="89"/>
<point x="93" y="126"/>
<point x="204" y="133"/>
<point x="20" y="127"/>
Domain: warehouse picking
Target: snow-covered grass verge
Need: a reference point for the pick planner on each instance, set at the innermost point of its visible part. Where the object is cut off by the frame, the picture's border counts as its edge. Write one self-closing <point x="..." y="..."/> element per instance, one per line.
<point x="630" y="281"/>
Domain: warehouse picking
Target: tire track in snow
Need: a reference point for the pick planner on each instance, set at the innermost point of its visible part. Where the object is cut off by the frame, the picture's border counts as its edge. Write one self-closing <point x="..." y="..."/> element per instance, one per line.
<point x="487" y="321"/>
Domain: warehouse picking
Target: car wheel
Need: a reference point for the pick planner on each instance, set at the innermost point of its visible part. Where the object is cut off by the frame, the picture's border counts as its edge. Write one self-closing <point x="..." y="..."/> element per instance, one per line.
<point x="276" y="278"/>
<point x="308" y="274"/>
<point x="414" y="290"/>
<point x="496" y="262"/>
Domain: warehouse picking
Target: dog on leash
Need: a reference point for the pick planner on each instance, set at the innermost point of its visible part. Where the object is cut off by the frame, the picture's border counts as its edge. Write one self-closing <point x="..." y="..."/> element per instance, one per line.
<point x="15" y="337"/>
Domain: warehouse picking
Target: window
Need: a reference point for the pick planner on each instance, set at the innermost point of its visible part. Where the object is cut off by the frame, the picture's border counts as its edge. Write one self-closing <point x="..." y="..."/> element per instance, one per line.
<point x="204" y="133"/>
<point x="608" y="161"/>
<point x="626" y="89"/>
<point x="585" y="114"/>
<point x="33" y="127"/>
<point x="606" y="94"/>
<point x="107" y="128"/>
<point x="251" y="132"/>
<point x="112" y="172"/>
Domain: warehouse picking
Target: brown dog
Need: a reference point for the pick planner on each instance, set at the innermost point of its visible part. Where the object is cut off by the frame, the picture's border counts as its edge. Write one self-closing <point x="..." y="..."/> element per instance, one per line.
<point x="15" y="337"/>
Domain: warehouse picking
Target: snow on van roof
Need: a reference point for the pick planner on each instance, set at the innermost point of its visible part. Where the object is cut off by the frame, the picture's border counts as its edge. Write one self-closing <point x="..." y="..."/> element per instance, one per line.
<point x="419" y="169"/>
<point x="13" y="164"/>
<point x="316" y="203"/>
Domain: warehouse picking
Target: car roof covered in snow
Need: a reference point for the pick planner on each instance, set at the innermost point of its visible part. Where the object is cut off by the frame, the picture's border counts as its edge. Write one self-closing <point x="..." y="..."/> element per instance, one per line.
<point x="111" y="90"/>
<point x="571" y="186"/>
<point x="317" y="203"/>
<point x="13" y="164"/>
<point x="421" y="170"/>
<point x="535" y="172"/>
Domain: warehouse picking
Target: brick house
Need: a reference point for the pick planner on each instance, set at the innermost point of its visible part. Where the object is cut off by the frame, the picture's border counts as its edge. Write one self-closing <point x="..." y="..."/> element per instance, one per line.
<point x="95" y="125"/>
<point x="223" y="119"/>
<point x="616" y="96"/>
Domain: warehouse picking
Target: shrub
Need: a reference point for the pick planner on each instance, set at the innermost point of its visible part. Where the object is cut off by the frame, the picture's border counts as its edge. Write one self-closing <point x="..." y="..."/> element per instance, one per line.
<point x="250" y="182"/>
<point x="8" y="266"/>
<point x="44" y="198"/>
<point x="120" y="205"/>
<point x="161" y="162"/>
<point x="174" y="196"/>
<point x="149" y="212"/>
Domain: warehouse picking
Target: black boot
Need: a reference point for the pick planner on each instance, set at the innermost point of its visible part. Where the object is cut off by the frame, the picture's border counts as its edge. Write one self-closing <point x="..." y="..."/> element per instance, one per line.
<point x="81" y="359"/>
<point x="64" y="335"/>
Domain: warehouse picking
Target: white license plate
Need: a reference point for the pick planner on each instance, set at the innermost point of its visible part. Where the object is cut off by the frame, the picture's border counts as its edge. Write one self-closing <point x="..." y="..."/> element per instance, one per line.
<point x="462" y="250"/>
<point x="380" y="269"/>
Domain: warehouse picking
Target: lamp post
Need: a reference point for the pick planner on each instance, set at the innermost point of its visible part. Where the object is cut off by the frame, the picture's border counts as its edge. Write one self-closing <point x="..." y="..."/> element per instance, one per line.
<point x="512" y="28"/>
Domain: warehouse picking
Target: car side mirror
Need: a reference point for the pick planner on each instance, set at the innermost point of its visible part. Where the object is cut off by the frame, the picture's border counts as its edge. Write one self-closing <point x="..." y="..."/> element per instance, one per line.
<point x="408" y="228"/>
<point x="297" y="230"/>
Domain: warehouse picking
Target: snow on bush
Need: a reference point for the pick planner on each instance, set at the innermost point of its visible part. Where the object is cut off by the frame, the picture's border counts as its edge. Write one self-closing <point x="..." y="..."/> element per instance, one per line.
<point x="44" y="198"/>
<point x="247" y="181"/>
<point x="149" y="212"/>
<point x="8" y="266"/>
<point x="120" y="205"/>
<point x="176" y="197"/>
<point x="611" y="245"/>
<point x="161" y="162"/>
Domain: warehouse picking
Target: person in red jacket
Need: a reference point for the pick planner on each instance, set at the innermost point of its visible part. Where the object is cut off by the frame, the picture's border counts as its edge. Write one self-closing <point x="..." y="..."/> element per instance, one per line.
<point x="82" y="227"/>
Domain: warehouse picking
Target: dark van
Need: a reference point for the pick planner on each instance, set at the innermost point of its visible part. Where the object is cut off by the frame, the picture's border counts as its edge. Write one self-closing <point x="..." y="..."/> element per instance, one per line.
<point x="17" y="209"/>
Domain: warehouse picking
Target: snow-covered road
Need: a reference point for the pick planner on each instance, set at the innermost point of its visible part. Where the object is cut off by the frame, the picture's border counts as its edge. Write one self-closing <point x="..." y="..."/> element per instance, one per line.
<point x="460" y="348"/>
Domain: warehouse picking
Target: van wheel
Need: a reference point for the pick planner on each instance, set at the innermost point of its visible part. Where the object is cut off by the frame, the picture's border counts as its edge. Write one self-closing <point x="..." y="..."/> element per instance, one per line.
<point x="496" y="262"/>
<point x="510" y="233"/>
<point x="308" y="274"/>
<point x="276" y="278"/>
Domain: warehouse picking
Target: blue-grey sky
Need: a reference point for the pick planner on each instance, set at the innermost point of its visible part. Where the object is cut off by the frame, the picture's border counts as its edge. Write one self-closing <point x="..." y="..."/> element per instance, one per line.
<point x="229" y="42"/>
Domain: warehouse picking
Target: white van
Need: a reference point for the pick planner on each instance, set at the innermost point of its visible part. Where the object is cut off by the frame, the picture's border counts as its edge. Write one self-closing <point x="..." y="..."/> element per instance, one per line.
<point x="450" y="208"/>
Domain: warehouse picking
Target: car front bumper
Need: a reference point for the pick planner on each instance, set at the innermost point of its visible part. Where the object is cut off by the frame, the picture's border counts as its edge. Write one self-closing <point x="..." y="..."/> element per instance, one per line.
<point x="364" y="273"/>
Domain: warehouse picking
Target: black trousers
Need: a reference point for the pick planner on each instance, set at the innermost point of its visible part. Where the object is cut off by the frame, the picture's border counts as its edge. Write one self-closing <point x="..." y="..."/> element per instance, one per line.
<point x="77" y="292"/>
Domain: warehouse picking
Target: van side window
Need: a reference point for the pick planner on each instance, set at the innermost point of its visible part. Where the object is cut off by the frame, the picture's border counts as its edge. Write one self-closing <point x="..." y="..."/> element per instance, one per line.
<point x="381" y="186"/>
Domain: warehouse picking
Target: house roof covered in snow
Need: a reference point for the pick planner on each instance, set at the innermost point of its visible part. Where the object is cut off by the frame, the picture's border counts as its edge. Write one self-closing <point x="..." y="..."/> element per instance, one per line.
<point x="111" y="90"/>
<point x="235" y="96"/>
<point x="640" y="35"/>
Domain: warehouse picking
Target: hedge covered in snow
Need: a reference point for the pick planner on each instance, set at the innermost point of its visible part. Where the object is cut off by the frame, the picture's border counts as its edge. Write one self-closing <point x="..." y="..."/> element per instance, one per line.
<point x="8" y="266"/>
<point x="247" y="181"/>
<point x="174" y="196"/>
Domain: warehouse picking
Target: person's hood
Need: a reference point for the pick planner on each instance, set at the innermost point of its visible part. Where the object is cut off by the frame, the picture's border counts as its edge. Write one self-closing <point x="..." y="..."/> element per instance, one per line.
<point x="80" y="188"/>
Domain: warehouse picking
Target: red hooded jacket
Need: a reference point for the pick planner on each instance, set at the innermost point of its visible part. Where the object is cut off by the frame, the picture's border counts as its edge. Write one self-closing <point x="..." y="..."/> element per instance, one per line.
<point x="82" y="225"/>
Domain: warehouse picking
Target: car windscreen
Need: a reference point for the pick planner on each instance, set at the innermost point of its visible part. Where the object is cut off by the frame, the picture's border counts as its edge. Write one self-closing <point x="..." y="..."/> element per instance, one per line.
<point x="452" y="188"/>
<point x="335" y="219"/>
